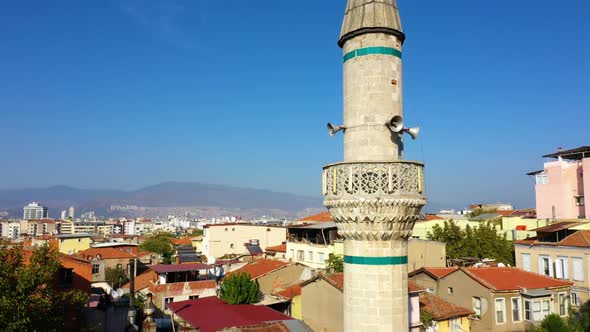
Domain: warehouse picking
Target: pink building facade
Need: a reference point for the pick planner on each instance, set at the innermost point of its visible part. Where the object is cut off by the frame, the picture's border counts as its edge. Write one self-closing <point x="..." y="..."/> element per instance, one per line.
<point x="563" y="184"/>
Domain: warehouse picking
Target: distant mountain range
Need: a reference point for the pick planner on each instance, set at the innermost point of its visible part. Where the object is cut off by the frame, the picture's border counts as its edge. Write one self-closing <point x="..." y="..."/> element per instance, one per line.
<point x="165" y="195"/>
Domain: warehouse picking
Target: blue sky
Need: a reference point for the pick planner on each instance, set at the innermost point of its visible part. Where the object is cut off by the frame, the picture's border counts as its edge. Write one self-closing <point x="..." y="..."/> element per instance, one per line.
<point x="128" y="93"/>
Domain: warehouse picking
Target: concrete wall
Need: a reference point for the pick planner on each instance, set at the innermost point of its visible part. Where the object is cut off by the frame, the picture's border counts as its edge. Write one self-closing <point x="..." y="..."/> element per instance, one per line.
<point x="286" y="276"/>
<point x="581" y="287"/>
<point x="425" y="281"/>
<point x="73" y="246"/>
<point x="463" y="290"/>
<point x="82" y="272"/>
<point x="565" y="180"/>
<point x="296" y="308"/>
<point x="220" y="240"/>
<point x="322" y="305"/>
<point x="315" y="249"/>
<point x="425" y="253"/>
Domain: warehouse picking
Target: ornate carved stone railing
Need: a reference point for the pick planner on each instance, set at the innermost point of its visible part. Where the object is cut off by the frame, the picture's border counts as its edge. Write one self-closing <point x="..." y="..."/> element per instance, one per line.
<point x="373" y="179"/>
<point x="374" y="200"/>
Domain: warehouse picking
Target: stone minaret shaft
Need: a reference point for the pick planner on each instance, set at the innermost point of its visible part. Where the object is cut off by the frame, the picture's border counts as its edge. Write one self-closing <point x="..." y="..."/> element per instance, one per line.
<point x="374" y="196"/>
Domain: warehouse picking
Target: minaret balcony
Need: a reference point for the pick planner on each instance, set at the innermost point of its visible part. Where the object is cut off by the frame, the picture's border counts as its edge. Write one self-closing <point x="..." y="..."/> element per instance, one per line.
<point x="373" y="180"/>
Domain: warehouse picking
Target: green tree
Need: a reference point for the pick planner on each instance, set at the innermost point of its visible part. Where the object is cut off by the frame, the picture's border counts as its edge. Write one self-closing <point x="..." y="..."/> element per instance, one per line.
<point x="115" y="276"/>
<point x="238" y="288"/>
<point x="335" y="264"/>
<point x="29" y="296"/>
<point x="450" y="234"/>
<point x="160" y="244"/>
<point x="480" y="242"/>
<point x="554" y="323"/>
<point x="579" y="320"/>
<point x="426" y="318"/>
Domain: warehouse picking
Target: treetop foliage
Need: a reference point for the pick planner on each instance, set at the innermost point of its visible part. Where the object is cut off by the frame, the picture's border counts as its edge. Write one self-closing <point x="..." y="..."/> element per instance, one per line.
<point x="480" y="242"/>
<point x="238" y="288"/>
<point x="29" y="297"/>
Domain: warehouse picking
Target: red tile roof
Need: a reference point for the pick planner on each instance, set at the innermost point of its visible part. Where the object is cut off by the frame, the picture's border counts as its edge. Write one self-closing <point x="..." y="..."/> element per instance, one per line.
<point x="163" y="268"/>
<point x="210" y="314"/>
<point x="279" y="248"/>
<point x="290" y="292"/>
<point x="435" y="272"/>
<point x="441" y="309"/>
<point x="505" y="213"/>
<point x="336" y="279"/>
<point x="320" y="217"/>
<point x="261" y="267"/>
<point x="578" y="239"/>
<point x="413" y="288"/>
<point x="105" y="253"/>
<point x="511" y="278"/>
<point x="430" y="217"/>
<point x="558" y="226"/>
<point x="183" y="241"/>
<point x="144" y="280"/>
<point x="179" y="286"/>
<point x="145" y="254"/>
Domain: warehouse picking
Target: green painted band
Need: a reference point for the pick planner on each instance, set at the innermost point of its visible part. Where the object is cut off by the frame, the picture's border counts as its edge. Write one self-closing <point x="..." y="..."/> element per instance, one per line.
<point x="394" y="260"/>
<point x="372" y="50"/>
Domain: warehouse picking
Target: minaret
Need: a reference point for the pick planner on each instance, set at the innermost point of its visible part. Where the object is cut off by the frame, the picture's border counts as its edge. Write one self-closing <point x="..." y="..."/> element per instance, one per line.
<point x="374" y="196"/>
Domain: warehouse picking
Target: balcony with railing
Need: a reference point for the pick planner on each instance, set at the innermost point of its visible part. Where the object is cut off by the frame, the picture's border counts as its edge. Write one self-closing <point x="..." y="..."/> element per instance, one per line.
<point x="354" y="180"/>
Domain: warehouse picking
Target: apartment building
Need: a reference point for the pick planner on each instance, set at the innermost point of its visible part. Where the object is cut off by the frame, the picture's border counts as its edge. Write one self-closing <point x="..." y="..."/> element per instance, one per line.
<point x="503" y="298"/>
<point x="229" y="238"/>
<point x="561" y="252"/>
<point x="561" y="186"/>
<point x="311" y="244"/>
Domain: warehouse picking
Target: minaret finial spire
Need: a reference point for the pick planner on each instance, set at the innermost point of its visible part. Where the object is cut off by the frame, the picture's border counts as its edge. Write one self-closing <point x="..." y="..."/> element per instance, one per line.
<point x="370" y="16"/>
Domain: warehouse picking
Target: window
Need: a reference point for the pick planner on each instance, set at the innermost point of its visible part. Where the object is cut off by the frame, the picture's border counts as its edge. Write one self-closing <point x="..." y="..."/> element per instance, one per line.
<point x="516" y="304"/>
<point x="537" y="311"/>
<point x="226" y="229"/>
<point x="574" y="297"/>
<point x="292" y="253"/>
<point x="545" y="265"/>
<point x="95" y="268"/>
<point x="310" y="256"/>
<point x="231" y="245"/>
<point x="527" y="311"/>
<point x="321" y="258"/>
<point x="233" y="229"/>
<point x="562" y="298"/>
<point x="300" y="255"/>
<point x="193" y="297"/>
<point x="455" y="324"/>
<point x="168" y="300"/>
<point x="561" y="268"/>
<point x="119" y="266"/>
<point x="542" y="178"/>
<point x="450" y="289"/>
<point x="526" y="262"/>
<point x="578" y="269"/>
<point x="546" y="308"/>
<point x="500" y="311"/>
<point x="66" y="276"/>
<point x="579" y="200"/>
<point x="476" y="305"/>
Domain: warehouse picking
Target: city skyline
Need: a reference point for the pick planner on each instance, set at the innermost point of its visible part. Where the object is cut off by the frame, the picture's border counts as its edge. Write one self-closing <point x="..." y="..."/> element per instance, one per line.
<point x="142" y="93"/>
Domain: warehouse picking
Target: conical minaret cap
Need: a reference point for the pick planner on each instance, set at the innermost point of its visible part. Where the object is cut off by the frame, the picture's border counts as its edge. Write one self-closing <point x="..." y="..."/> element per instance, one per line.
<point x="370" y="16"/>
